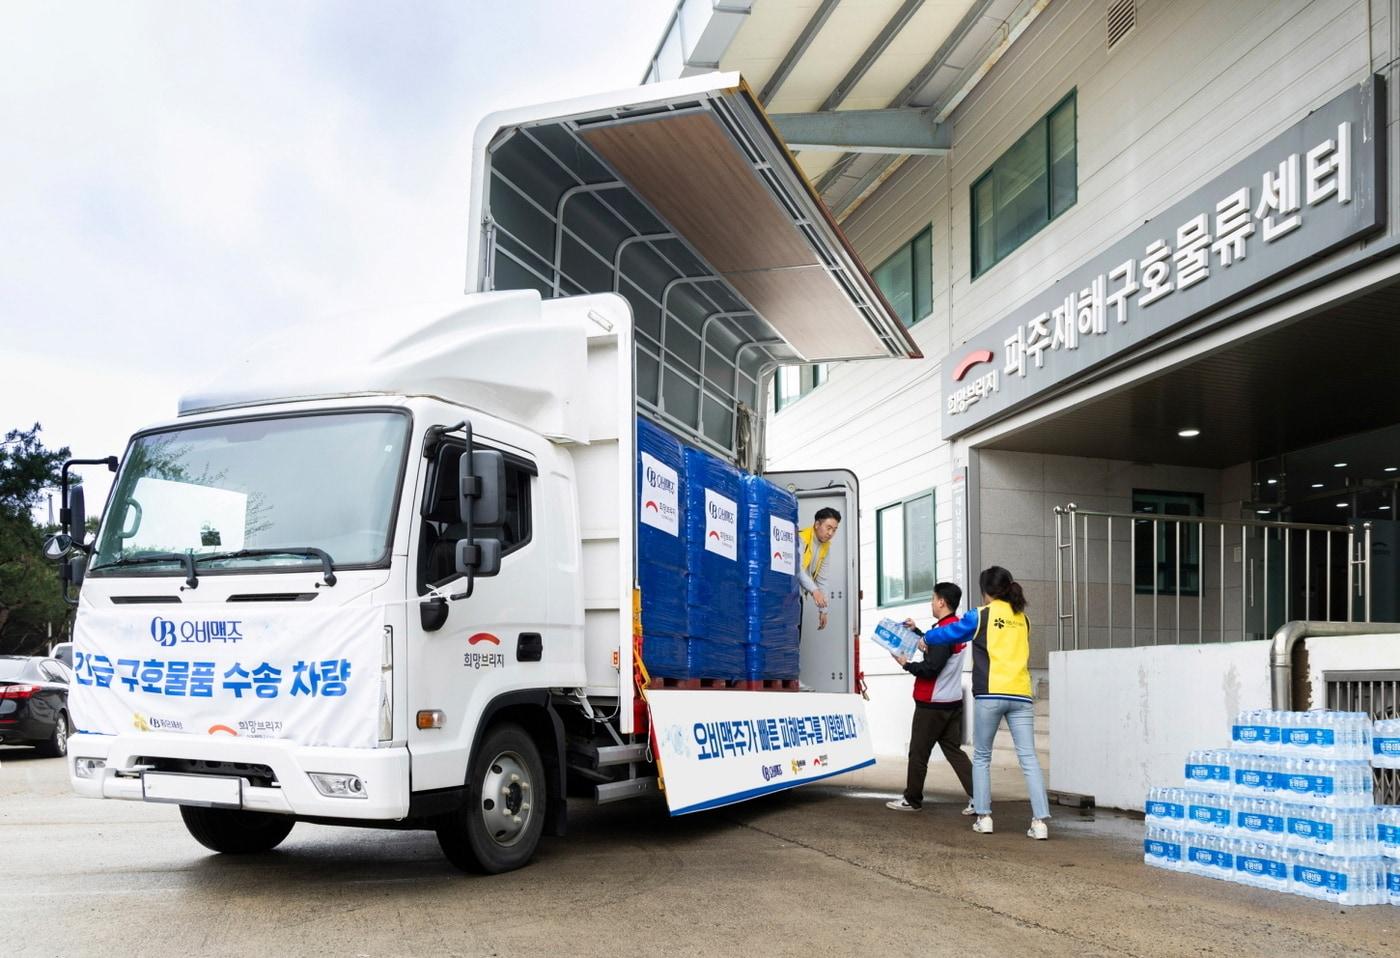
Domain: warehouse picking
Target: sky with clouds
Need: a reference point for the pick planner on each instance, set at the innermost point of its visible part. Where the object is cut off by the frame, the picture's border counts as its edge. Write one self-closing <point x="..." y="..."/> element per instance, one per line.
<point x="182" y="177"/>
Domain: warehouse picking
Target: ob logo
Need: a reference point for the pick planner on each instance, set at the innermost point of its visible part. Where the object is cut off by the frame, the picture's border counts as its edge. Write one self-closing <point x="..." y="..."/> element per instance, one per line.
<point x="163" y="631"/>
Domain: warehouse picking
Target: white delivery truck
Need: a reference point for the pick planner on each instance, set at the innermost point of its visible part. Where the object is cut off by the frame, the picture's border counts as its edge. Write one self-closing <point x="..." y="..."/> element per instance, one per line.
<point x="383" y="571"/>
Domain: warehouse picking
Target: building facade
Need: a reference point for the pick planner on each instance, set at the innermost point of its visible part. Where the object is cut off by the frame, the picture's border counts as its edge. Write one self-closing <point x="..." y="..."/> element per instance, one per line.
<point x="1153" y="274"/>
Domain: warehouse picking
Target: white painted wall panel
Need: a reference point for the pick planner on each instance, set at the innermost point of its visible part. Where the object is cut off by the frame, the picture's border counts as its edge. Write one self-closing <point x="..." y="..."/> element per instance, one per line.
<point x="1123" y="720"/>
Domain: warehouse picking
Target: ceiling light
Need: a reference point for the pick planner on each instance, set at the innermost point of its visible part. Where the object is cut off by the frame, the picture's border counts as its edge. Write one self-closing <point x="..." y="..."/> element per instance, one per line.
<point x="1273" y="482"/>
<point x="1188" y="433"/>
<point x="1263" y="512"/>
<point x="1339" y="465"/>
<point x="1343" y="505"/>
<point x="1385" y="508"/>
<point x="1317" y="485"/>
<point x="1391" y="468"/>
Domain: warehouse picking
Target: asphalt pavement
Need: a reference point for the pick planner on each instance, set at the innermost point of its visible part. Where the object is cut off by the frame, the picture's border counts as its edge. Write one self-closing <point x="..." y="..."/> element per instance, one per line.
<point x="822" y="870"/>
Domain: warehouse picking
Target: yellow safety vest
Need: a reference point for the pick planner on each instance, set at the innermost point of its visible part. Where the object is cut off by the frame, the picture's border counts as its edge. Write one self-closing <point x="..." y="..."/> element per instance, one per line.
<point x="808" y="535"/>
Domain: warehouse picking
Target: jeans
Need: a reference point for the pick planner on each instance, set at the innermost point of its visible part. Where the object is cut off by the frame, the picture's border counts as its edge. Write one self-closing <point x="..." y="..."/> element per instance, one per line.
<point x="1020" y="718"/>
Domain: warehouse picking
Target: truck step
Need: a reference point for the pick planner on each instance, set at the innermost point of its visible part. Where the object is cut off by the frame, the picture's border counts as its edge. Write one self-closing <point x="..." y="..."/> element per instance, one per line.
<point x="599" y="756"/>
<point x="625" y="789"/>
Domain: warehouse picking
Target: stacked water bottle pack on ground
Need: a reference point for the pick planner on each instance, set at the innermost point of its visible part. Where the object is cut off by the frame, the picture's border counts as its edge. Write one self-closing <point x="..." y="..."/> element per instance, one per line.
<point x="771" y="600"/>
<point x="715" y="564"/>
<point x="714" y="573"/>
<point x="1289" y="807"/>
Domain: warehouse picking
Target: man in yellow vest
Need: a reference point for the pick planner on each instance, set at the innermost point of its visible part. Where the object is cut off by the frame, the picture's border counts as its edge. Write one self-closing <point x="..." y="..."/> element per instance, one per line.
<point x="816" y="542"/>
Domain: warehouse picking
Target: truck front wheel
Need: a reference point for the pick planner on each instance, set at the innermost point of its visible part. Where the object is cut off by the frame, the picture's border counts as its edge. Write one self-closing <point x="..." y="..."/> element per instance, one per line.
<point x="236" y="832"/>
<point x="498" y="826"/>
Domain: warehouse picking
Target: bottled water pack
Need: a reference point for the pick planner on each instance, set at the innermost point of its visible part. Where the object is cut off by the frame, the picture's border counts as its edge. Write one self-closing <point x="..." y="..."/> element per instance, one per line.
<point x="1210" y="768"/>
<point x="895" y="637"/>
<point x="1337" y="736"/>
<point x="1385" y="744"/>
<point x="1339" y="784"/>
<point x="1345" y="881"/>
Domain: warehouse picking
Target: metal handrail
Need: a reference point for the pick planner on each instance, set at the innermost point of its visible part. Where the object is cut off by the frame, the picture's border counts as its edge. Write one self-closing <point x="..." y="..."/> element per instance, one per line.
<point x="1201" y="520"/>
<point x="1168" y="560"/>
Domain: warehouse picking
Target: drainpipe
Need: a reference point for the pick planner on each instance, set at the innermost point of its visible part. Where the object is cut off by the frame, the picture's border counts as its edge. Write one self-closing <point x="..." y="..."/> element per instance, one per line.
<point x="1291" y="633"/>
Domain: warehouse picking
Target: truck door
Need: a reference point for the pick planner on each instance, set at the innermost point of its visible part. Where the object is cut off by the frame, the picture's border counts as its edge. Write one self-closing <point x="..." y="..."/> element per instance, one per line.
<point x="464" y="652"/>
<point x="827" y="656"/>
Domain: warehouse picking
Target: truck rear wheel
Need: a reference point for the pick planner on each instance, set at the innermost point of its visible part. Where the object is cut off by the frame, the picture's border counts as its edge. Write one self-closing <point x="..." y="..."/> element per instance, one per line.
<point x="498" y="827"/>
<point x="236" y="832"/>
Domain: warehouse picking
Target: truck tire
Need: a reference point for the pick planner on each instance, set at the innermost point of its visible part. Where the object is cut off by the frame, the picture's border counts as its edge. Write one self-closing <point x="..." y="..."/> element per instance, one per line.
<point x="236" y="832"/>
<point x="57" y="744"/>
<point x="498" y="827"/>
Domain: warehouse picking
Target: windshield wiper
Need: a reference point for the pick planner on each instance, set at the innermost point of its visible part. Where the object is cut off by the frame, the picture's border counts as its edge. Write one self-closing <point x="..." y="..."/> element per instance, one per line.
<point x="146" y="558"/>
<point x="327" y="567"/>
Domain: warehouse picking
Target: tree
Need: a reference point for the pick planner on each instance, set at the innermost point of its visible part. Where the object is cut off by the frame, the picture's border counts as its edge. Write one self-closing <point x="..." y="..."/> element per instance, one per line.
<point x="31" y="598"/>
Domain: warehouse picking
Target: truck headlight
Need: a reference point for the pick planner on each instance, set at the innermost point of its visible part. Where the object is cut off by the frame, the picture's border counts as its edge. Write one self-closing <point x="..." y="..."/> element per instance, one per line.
<point x="88" y="767"/>
<point x="333" y="785"/>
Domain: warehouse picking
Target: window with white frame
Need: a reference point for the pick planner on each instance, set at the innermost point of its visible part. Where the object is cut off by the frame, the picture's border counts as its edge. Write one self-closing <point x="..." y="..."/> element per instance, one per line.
<point x="905" y="566"/>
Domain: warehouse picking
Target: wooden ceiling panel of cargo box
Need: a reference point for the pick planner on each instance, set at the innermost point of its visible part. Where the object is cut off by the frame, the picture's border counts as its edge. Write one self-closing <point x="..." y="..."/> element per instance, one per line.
<point x="691" y="171"/>
<point x="701" y="155"/>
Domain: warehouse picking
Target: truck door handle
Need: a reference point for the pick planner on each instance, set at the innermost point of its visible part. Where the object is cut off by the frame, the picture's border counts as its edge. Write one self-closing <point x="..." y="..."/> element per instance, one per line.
<point x="529" y="647"/>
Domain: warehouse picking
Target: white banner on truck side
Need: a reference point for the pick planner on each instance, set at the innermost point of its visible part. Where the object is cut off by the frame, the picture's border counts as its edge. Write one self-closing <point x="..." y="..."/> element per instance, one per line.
<point x="716" y="748"/>
<point x="311" y="676"/>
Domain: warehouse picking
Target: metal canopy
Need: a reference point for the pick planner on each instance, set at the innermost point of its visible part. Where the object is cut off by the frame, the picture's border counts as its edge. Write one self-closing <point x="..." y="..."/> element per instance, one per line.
<point x="1268" y="395"/>
<point x="866" y="131"/>
<point x="858" y="86"/>
<point x="681" y="198"/>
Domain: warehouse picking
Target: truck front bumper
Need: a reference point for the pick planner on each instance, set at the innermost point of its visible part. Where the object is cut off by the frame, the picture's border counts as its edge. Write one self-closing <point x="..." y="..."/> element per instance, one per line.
<point x="384" y="772"/>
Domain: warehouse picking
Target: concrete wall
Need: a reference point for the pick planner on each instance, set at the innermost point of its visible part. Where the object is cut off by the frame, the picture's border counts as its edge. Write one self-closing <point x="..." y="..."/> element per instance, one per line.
<point x="1123" y="720"/>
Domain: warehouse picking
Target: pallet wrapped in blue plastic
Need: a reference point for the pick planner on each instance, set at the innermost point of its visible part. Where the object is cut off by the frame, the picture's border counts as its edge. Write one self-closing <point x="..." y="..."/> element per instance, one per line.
<point x="771" y="600"/>
<point x="713" y="540"/>
<point x="661" y="550"/>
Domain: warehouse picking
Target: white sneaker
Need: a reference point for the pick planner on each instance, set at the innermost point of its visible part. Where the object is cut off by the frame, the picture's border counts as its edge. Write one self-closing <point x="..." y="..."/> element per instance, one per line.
<point x="969" y="811"/>
<point x="1038" y="830"/>
<point x="983" y="824"/>
<point x="902" y="806"/>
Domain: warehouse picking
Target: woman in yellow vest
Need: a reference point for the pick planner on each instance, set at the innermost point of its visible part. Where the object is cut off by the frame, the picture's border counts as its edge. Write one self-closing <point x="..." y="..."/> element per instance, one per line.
<point x="1001" y="685"/>
<point x="816" y="543"/>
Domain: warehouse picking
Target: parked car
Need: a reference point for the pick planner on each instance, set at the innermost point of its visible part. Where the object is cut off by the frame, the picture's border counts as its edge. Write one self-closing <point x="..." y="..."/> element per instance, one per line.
<point x="64" y="653"/>
<point x="34" y="703"/>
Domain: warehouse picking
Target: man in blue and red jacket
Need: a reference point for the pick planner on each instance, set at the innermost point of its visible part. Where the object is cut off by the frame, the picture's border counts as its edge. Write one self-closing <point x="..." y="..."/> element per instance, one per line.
<point x="938" y="706"/>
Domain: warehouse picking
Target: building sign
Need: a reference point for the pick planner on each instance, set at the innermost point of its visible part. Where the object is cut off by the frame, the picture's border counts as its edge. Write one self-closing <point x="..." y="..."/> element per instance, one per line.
<point x="1316" y="186"/>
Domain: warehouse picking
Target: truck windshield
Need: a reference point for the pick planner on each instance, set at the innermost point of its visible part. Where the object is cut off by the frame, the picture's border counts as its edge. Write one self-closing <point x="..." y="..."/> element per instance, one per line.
<point x="324" y="481"/>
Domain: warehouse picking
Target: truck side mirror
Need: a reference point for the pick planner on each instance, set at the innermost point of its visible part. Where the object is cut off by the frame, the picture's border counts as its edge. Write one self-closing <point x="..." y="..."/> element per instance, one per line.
<point x="77" y="516"/>
<point x="57" y="546"/>
<point x="478" y="557"/>
<point x="482" y="489"/>
<point x="77" y="568"/>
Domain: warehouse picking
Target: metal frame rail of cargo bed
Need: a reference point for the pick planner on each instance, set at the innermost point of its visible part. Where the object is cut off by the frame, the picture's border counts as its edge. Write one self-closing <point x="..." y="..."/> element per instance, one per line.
<point x="655" y="347"/>
<point x="556" y="280"/>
